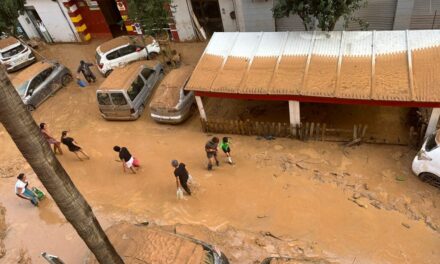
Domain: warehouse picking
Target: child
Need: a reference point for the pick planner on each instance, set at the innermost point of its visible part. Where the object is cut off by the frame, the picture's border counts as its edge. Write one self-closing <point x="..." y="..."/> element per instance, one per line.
<point x="226" y="149"/>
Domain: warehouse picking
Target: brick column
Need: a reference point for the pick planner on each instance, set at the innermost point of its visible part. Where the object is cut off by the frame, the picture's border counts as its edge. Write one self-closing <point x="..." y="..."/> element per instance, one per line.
<point x="77" y="19"/>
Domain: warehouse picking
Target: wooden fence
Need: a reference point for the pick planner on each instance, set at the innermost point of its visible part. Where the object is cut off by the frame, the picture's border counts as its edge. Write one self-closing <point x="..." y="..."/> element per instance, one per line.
<point x="307" y="131"/>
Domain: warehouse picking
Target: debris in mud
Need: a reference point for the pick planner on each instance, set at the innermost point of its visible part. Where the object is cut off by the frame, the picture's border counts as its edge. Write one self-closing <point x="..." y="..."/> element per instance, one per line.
<point x="406" y="225"/>
<point x="259" y="242"/>
<point x="361" y="202"/>
<point x="2" y="231"/>
<point x="270" y="235"/>
<point x="278" y="147"/>
<point x="261" y="216"/>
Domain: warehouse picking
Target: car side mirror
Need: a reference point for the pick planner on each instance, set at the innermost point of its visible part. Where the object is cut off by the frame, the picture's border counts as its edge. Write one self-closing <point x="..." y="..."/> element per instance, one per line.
<point x="138" y="49"/>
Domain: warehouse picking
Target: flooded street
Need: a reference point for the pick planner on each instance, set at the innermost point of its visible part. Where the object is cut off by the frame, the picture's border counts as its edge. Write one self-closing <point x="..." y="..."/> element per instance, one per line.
<point x="349" y="205"/>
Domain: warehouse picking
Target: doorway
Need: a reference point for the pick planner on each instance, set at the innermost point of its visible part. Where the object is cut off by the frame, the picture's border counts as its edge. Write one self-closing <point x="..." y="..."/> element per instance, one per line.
<point x="208" y="14"/>
<point x="38" y="24"/>
<point x="113" y="17"/>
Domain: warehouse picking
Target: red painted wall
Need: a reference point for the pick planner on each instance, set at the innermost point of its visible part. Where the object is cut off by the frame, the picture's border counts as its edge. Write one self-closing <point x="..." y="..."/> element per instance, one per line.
<point x="94" y="20"/>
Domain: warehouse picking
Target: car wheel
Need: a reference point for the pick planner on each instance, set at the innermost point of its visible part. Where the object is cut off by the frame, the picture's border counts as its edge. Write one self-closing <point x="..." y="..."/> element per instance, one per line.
<point x="66" y="79"/>
<point x="107" y="73"/>
<point x="152" y="55"/>
<point x="430" y="178"/>
<point x="30" y="107"/>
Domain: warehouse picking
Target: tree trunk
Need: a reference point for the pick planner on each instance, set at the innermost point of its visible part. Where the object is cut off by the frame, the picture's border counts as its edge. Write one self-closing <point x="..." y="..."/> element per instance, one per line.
<point x="36" y="150"/>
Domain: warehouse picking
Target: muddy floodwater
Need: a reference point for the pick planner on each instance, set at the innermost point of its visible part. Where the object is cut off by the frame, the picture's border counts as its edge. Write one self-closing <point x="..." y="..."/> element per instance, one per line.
<point x="349" y="205"/>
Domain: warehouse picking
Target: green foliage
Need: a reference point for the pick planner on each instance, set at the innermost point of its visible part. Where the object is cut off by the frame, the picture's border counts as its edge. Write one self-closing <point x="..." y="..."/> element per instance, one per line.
<point x="9" y="12"/>
<point x="153" y="15"/>
<point x="322" y="14"/>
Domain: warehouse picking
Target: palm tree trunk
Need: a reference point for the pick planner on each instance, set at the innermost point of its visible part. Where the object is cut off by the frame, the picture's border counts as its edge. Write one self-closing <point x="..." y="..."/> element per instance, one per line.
<point x="36" y="150"/>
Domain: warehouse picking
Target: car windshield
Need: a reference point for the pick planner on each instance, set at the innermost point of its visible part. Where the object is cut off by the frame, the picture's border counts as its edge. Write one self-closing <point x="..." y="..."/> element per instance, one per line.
<point x="430" y="143"/>
<point x="21" y="89"/>
<point x="13" y="51"/>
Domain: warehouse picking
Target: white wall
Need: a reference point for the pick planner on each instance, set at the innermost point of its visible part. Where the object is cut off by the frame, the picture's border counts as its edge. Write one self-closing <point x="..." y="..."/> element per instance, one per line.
<point x="226" y="7"/>
<point x="28" y="27"/>
<point x="182" y="17"/>
<point x="58" y="25"/>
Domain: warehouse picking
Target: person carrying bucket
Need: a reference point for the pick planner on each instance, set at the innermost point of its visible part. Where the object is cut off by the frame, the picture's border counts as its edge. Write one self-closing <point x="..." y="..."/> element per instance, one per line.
<point x="22" y="190"/>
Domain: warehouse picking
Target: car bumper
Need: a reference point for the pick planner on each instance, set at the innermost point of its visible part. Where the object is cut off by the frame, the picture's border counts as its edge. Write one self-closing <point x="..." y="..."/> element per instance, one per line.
<point x="120" y="118"/>
<point x="168" y="119"/>
<point x="21" y="65"/>
<point x="419" y="166"/>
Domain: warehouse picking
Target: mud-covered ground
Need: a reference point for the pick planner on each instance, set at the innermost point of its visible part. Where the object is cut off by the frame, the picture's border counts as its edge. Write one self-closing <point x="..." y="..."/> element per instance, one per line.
<point x="282" y="197"/>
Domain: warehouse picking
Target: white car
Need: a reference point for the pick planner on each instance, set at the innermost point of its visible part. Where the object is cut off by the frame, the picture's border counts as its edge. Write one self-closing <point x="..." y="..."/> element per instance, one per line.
<point x="123" y="50"/>
<point x="14" y="54"/>
<point x="426" y="165"/>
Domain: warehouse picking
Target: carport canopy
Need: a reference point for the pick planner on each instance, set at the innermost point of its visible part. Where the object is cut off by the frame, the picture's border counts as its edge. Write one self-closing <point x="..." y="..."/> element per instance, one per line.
<point x="388" y="68"/>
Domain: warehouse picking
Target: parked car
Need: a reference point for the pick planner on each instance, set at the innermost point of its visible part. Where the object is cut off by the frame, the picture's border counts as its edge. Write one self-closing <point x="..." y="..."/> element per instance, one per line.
<point x="122" y="96"/>
<point x="14" y="54"/>
<point x="171" y="103"/>
<point x="39" y="81"/>
<point x="426" y="165"/>
<point x="122" y="50"/>
<point x="153" y="244"/>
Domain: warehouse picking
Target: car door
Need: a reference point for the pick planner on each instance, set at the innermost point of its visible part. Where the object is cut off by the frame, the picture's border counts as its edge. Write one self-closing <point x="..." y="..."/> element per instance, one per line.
<point x="128" y="54"/>
<point x="137" y="92"/>
<point x="113" y="59"/>
<point x="149" y="77"/>
<point x="33" y="94"/>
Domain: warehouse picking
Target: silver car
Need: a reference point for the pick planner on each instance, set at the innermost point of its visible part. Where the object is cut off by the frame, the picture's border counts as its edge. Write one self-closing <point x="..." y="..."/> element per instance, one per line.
<point x="171" y="103"/>
<point x="39" y="81"/>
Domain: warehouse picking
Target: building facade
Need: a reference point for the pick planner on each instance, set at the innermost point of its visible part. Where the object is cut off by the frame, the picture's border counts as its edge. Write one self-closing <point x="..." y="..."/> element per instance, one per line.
<point x="81" y="20"/>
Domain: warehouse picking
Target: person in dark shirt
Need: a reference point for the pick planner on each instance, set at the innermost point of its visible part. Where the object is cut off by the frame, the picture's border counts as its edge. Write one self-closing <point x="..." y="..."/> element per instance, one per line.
<point x="84" y="67"/>
<point x="73" y="146"/>
<point x="181" y="175"/>
<point x="211" y="152"/>
<point x="128" y="161"/>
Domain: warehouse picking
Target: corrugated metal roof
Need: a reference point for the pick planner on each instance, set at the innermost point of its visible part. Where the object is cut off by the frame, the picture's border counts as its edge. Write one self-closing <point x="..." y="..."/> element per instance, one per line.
<point x="382" y="65"/>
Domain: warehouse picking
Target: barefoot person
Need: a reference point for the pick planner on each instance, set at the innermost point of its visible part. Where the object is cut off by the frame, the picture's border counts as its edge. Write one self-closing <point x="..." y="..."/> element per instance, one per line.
<point x="211" y="152"/>
<point x="22" y="191"/>
<point x="226" y="149"/>
<point x="181" y="175"/>
<point x="56" y="144"/>
<point x="128" y="161"/>
<point x="73" y="146"/>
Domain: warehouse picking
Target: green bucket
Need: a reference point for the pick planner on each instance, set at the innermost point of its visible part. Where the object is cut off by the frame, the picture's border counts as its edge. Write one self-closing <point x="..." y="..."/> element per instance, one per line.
<point x="38" y="193"/>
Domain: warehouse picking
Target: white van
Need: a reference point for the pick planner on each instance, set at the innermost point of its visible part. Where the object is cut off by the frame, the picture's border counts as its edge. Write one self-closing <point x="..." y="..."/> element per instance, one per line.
<point x="426" y="165"/>
<point x="122" y="50"/>
<point x="123" y="95"/>
<point x="14" y="54"/>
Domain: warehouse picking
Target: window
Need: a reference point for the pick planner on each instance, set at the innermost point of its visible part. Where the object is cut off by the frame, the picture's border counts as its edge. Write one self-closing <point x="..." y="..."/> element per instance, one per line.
<point x="127" y="50"/>
<point x="113" y="55"/>
<point x="103" y="99"/>
<point x="13" y="51"/>
<point x="136" y="88"/>
<point x="37" y="81"/>
<point x="118" y="99"/>
<point x="146" y="73"/>
<point x="431" y="143"/>
<point x="46" y="73"/>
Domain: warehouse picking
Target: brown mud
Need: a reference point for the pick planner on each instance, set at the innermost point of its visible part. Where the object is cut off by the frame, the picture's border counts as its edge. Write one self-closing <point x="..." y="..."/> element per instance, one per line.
<point x="321" y="199"/>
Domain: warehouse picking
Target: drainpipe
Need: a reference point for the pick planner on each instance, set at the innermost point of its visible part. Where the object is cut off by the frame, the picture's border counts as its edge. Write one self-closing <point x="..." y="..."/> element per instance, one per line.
<point x="68" y="21"/>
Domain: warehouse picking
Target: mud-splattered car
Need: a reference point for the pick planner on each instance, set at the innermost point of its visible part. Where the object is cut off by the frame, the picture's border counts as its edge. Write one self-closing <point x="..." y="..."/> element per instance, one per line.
<point x="39" y="81"/>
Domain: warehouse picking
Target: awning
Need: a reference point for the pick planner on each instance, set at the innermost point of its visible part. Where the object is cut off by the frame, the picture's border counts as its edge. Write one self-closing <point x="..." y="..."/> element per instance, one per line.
<point x="382" y="66"/>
